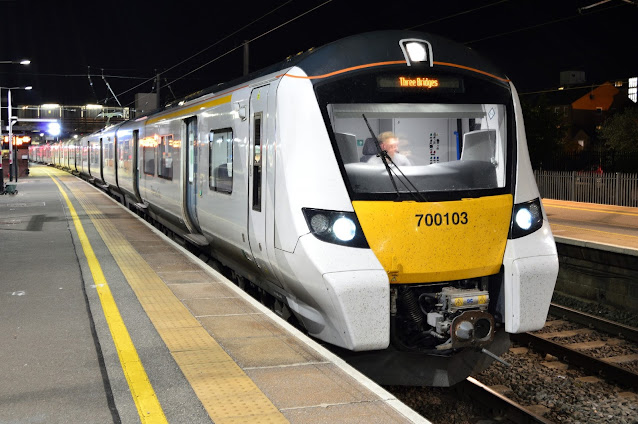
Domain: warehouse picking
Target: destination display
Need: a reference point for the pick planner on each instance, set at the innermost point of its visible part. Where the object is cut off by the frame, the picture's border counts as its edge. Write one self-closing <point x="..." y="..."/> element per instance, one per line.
<point x="423" y="82"/>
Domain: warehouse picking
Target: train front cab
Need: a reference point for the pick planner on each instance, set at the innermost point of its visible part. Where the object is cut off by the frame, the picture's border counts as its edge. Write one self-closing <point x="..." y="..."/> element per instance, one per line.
<point x="459" y="234"/>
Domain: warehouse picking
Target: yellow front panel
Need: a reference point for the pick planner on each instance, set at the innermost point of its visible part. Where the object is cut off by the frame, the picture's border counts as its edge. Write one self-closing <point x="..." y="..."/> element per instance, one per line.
<point x="437" y="241"/>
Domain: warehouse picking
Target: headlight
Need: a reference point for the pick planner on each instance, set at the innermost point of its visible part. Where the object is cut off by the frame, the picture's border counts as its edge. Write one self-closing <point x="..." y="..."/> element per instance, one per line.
<point x="344" y="229"/>
<point x="523" y="219"/>
<point x="527" y="217"/>
<point x="335" y="227"/>
<point x="416" y="51"/>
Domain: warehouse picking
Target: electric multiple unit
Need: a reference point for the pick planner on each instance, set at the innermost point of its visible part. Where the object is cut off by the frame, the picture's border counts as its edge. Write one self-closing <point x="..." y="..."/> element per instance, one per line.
<point x="411" y="269"/>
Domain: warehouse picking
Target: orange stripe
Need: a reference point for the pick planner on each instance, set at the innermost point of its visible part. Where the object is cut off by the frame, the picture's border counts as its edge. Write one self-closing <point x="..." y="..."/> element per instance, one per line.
<point x="395" y="62"/>
<point x="454" y="65"/>
<point x="354" y="68"/>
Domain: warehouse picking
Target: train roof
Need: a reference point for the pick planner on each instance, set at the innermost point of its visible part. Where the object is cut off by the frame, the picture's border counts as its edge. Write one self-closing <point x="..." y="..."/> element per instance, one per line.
<point x="368" y="48"/>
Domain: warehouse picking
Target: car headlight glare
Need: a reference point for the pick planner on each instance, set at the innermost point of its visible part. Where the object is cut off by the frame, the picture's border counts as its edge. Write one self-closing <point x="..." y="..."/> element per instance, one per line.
<point x="527" y="217"/>
<point x="335" y="227"/>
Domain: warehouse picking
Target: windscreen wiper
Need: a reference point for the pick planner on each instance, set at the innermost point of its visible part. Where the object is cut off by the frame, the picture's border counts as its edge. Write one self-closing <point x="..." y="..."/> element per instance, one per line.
<point x="382" y="154"/>
<point x="385" y="157"/>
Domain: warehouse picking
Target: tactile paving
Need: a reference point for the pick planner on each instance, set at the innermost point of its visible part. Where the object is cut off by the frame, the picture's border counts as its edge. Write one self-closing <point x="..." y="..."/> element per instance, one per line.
<point x="226" y="392"/>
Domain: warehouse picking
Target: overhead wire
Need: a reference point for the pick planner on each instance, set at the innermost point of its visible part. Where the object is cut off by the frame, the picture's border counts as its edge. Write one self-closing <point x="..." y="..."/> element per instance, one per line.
<point x="253" y="39"/>
<point x="465" y="12"/>
<point x="566" y="18"/>
<point x="147" y="79"/>
<point x="578" y="87"/>
<point x="208" y="47"/>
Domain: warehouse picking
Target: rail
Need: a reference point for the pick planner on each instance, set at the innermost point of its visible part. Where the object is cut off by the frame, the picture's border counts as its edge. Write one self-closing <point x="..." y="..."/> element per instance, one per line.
<point x="559" y="345"/>
<point x="499" y="405"/>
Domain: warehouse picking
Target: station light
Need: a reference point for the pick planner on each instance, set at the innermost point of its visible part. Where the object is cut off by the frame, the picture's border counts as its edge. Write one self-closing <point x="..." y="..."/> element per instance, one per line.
<point x="53" y="129"/>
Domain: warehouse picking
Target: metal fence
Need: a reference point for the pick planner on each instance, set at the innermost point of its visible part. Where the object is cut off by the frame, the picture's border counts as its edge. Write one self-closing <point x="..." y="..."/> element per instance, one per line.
<point x="609" y="189"/>
<point x="608" y="160"/>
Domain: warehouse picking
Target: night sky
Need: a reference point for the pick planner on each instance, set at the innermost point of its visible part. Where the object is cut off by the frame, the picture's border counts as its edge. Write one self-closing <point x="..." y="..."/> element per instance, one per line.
<point x="128" y="42"/>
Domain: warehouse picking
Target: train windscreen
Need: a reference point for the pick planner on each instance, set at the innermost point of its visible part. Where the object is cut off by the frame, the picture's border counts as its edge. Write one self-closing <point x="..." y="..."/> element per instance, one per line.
<point x="396" y="133"/>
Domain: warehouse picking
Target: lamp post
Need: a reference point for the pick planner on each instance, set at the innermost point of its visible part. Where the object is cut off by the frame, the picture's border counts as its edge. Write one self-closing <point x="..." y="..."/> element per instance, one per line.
<point x="15" y="62"/>
<point x="13" y="159"/>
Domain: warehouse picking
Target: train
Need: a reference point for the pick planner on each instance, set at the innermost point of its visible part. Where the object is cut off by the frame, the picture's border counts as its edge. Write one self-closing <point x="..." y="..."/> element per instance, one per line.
<point x="415" y="270"/>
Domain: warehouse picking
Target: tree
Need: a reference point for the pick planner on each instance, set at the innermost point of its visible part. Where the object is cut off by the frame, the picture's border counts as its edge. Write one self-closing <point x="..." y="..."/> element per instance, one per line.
<point x="620" y="131"/>
<point x="545" y="132"/>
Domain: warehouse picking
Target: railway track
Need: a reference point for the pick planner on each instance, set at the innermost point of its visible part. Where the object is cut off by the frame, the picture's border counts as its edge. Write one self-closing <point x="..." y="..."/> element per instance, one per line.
<point x="543" y="385"/>
<point x="599" y="346"/>
<point x="467" y="401"/>
<point x="496" y="404"/>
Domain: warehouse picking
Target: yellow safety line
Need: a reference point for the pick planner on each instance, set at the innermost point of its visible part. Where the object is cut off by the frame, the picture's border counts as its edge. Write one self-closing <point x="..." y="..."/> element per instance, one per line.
<point x="226" y="392"/>
<point x="588" y="210"/>
<point x="148" y="406"/>
<point x="596" y="231"/>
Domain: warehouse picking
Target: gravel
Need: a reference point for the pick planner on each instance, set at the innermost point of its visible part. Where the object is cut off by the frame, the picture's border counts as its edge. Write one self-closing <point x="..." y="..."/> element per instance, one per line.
<point x="567" y="397"/>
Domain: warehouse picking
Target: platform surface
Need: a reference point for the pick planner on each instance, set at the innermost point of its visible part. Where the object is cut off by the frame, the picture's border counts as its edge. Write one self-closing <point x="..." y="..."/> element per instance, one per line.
<point x="104" y="319"/>
<point x="605" y="227"/>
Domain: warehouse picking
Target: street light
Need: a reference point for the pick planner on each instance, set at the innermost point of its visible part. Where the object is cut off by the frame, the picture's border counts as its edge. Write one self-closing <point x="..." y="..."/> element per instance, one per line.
<point x="17" y="62"/>
<point x="13" y="163"/>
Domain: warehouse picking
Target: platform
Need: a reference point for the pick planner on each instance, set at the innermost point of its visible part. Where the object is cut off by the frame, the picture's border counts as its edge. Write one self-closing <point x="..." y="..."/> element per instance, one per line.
<point x="603" y="227"/>
<point x="105" y="319"/>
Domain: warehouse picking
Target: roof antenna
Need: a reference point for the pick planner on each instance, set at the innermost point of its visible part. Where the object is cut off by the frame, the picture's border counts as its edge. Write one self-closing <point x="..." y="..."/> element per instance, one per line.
<point x="109" y="87"/>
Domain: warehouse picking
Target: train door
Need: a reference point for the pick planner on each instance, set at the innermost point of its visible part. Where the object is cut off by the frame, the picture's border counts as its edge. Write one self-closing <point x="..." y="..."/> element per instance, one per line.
<point x="191" y="183"/>
<point x="257" y="176"/>
<point x="114" y="158"/>
<point x="90" y="157"/>
<point x="136" y="165"/>
<point x="101" y="160"/>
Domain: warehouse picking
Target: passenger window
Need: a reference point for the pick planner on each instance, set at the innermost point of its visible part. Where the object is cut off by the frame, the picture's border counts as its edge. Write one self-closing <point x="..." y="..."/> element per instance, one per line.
<point x="165" y="157"/>
<point x="220" y="150"/>
<point x="94" y="154"/>
<point x="149" y="160"/>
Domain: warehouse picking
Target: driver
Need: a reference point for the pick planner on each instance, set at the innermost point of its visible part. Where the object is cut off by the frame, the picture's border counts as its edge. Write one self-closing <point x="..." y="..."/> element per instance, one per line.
<point x="389" y="142"/>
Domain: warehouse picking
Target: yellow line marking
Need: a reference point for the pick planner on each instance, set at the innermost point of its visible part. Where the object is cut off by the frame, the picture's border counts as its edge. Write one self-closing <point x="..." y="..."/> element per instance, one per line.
<point x="595" y="231"/>
<point x="226" y="392"/>
<point x="589" y="210"/>
<point x="148" y="406"/>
